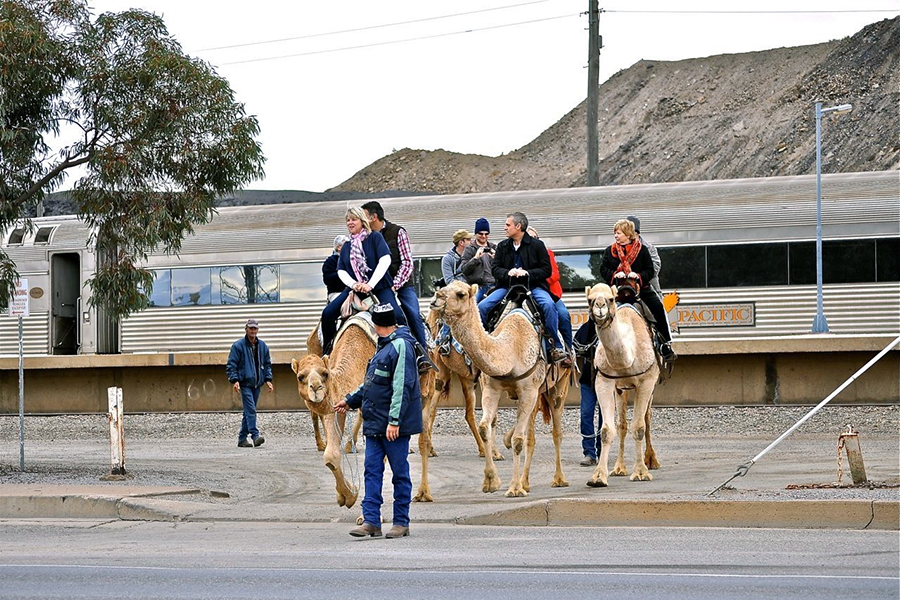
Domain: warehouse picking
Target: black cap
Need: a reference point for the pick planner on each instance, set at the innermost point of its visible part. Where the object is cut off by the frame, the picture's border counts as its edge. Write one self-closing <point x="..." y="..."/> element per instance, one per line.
<point x="383" y="315"/>
<point x="637" y="223"/>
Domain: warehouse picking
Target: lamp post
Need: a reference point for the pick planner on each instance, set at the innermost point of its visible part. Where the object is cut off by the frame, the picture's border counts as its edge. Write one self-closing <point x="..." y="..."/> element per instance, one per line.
<point x="820" y="323"/>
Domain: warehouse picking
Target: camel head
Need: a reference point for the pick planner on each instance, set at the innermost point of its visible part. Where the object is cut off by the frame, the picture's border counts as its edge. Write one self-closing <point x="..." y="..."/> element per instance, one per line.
<point x="454" y="299"/>
<point x="312" y="377"/>
<point x="601" y="304"/>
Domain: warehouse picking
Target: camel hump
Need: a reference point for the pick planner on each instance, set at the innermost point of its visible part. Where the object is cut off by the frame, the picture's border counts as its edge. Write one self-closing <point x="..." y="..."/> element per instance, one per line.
<point x="361" y="320"/>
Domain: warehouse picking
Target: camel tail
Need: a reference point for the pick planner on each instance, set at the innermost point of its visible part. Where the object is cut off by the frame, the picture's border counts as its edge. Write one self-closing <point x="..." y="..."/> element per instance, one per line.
<point x="545" y="409"/>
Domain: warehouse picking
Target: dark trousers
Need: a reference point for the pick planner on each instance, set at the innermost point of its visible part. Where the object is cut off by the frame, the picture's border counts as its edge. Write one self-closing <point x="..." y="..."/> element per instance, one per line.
<point x="590" y="439"/>
<point x="397" y="453"/>
<point x="409" y="302"/>
<point x="249" y="398"/>
<point x="651" y="300"/>
<point x="333" y="311"/>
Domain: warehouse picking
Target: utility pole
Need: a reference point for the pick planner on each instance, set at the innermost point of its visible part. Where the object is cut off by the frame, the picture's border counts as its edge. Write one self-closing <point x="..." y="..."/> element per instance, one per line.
<point x="593" y="103"/>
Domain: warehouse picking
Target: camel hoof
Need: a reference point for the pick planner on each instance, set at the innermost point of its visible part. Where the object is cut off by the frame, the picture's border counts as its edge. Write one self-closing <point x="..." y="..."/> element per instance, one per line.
<point x="559" y="483"/>
<point x="432" y="453"/>
<point x="423" y="496"/>
<point x="348" y="448"/>
<point x="619" y="471"/>
<point x="320" y="447"/>
<point x="516" y="493"/>
<point x="491" y="484"/>
<point x="360" y="520"/>
<point x="652" y="463"/>
<point x="596" y="483"/>
<point x="641" y="477"/>
<point x="498" y="456"/>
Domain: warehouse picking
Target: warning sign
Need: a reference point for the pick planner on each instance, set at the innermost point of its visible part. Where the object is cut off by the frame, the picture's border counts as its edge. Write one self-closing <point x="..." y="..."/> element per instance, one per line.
<point x="18" y="306"/>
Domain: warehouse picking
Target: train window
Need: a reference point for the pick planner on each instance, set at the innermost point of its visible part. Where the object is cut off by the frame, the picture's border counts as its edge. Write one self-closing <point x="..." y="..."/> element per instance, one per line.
<point x="887" y="256"/>
<point x="162" y="288"/>
<point x="747" y="264"/>
<point x="429" y="270"/>
<point x="843" y="261"/>
<point x="682" y="267"/>
<point x="249" y="284"/>
<point x="43" y="235"/>
<point x="577" y="271"/>
<point x="16" y="237"/>
<point x="301" y="282"/>
<point x="191" y="287"/>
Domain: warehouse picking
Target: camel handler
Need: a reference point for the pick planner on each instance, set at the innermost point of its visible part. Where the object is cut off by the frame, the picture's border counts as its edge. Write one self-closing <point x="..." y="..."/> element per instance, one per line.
<point x="248" y="368"/>
<point x="392" y="412"/>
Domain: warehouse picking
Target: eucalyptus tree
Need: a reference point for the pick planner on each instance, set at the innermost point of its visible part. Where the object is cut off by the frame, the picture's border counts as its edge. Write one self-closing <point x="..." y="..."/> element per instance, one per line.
<point x="149" y="135"/>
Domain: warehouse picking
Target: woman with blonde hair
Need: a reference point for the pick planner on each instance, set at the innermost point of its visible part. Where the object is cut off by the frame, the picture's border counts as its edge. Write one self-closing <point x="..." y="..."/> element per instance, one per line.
<point x="628" y="262"/>
<point x="363" y="267"/>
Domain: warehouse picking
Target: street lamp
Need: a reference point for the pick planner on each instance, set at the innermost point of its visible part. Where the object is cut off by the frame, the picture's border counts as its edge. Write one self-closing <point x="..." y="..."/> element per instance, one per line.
<point x="820" y="324"/>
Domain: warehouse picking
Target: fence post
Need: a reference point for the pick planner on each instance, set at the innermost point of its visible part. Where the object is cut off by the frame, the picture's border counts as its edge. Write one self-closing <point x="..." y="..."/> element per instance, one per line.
<point x="116" y="432"/>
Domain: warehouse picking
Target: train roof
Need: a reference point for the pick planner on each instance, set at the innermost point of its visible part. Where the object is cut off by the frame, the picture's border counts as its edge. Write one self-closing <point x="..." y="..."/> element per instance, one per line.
<point x="685" y="213"/>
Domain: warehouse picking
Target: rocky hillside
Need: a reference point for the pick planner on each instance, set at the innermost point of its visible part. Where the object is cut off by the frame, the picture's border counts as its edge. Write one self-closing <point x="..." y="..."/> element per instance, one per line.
<point x="720" y="117"/>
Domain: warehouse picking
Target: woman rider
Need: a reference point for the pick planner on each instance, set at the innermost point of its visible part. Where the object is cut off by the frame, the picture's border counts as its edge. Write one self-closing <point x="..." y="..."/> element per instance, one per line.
<point x="363" y="267"/>
<point x="628" y="259"/>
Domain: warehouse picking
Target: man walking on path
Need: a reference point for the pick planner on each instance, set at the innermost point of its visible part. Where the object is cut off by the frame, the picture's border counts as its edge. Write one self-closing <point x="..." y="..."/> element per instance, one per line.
<point x="391" y="405"/>
<point x="249" y="367"/>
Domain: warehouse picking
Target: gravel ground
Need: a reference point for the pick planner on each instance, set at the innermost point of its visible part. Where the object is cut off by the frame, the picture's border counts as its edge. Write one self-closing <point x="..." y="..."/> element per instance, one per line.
<point x="763" y="421"/>
<point x="195" y="450"/>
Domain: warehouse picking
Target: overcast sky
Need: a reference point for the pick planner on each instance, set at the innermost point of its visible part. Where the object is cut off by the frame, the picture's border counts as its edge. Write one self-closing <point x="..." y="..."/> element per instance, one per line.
<point x="336" y="87"/>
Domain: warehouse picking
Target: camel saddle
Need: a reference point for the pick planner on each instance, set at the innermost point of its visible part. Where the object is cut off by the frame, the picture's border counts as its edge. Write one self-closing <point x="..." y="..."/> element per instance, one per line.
<point x="519" y="296"/>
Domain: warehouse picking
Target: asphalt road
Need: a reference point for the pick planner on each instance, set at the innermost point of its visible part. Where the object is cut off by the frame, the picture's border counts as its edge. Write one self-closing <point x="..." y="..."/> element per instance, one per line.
<point x="130" y="560"/>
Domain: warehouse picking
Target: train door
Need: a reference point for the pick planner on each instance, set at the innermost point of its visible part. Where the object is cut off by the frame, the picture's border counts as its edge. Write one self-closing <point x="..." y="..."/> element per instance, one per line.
<point x="65" y="284"/>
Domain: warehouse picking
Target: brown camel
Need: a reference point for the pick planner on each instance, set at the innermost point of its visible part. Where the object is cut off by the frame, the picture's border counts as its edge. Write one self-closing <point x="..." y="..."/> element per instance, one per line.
<point x="626" y="365"/>
<point x="321" y="381"/>
<point x="314" y="348"/>
<point x="453" y="363"/>
<point x="512" y="361"/>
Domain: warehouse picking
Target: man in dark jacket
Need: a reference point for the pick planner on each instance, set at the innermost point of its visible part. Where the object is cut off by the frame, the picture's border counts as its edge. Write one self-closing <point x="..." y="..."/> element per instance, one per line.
<point x="392" y="411"/>
<point x="249" y="366"/>
<point x="330" y="277"/>
<point x="522" y="259"/>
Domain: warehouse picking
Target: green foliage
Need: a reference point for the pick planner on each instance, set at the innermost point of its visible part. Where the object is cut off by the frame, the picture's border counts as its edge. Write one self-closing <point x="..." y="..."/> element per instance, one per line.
<point x="159" y="135"/>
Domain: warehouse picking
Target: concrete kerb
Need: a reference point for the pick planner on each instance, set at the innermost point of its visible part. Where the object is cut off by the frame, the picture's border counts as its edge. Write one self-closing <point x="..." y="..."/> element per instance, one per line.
<point x="792" y="514"/>
<point x="566" y="512"/>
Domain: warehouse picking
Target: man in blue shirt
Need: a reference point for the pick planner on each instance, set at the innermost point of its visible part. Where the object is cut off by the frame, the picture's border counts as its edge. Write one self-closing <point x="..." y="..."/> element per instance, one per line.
<point x="391" y="405"/>
<point x="249" y="367"/>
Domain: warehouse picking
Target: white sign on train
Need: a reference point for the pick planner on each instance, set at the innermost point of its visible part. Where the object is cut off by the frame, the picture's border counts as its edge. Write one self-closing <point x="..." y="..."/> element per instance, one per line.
<point x="18" y="305"/>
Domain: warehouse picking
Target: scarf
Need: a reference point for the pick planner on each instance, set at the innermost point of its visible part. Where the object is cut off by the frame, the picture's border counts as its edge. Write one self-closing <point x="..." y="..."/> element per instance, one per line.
<point x="358" y="257"/>
<point x="627" y="255"/>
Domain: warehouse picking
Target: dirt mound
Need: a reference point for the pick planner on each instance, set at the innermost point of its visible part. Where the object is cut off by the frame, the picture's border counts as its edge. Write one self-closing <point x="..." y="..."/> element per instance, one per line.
<point x="720" y="117"/>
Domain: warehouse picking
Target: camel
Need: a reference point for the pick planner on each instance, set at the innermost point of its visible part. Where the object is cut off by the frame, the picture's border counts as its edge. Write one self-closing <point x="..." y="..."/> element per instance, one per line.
<point x="322" y="380"/>
<point x="452" y="364"/>
<point x="314" y="348"/>
<point x="511" y="360"/>
<point x="626" y="363"/>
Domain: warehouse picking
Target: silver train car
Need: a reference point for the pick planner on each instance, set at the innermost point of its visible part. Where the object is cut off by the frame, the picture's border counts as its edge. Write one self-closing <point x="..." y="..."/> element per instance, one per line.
<point x="740" y="254"/>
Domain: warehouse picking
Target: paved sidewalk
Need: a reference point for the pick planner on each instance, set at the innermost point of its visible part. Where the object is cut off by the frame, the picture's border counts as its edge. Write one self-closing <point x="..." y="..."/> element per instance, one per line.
<point x="285" y="480"/>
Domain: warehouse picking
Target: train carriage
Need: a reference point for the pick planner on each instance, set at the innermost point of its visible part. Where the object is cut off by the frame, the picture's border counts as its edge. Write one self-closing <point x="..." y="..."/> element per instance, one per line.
<point x="740" y="253"/>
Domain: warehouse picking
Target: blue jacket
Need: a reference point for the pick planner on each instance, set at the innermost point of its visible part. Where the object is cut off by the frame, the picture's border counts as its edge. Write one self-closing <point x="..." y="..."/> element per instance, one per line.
<point x="390" y="394"/>
<point x="241" y="366"/>
<point x="374" y="247"/>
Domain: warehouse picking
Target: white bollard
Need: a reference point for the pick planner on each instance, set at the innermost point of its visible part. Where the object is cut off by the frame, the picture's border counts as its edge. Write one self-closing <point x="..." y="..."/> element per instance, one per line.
<point x="116" y="432"/>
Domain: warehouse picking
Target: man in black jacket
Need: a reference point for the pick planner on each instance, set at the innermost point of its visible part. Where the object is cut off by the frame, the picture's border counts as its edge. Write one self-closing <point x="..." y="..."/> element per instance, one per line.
<point x="521" y="259"/>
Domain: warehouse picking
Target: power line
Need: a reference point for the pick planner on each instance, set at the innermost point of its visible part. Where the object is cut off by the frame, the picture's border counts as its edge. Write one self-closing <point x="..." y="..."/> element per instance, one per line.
<point x="401" y="41"/>
<point x="370" y="27"/>
<point x="749" y="12"/>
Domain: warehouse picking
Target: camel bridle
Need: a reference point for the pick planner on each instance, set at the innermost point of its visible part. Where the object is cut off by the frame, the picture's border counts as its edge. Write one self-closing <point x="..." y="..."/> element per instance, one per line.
<point x="607" y="319"/>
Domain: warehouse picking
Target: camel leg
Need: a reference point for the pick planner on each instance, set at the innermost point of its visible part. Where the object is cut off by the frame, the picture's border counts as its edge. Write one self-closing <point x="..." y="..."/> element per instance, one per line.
<point x="649" y="453"/>
<point x="638" y="431"/>
<point x="490" y="399"/>
<point x="424" y="492"/>
<point x="518" y="440"/>
<point x="556" y="410"/>
<point x="346" y="493"/>
<point x="622" y="430"/>
<point x="468" y="391"/>
<point x="530" y="443"/>
<point x="429" y="413"/>
<point x="605" y="389"/>
<point x="320" y="443"/>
